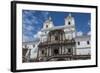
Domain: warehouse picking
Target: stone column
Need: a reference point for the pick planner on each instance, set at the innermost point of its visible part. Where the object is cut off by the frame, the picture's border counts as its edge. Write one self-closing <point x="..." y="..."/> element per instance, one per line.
<point x="61" y="49"/>
<point x="50" y="51"/>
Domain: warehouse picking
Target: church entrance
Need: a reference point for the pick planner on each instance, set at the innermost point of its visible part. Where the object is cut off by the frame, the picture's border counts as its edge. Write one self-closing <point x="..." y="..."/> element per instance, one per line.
<point x="56" y="51"/>
<point x="61" y="59"/>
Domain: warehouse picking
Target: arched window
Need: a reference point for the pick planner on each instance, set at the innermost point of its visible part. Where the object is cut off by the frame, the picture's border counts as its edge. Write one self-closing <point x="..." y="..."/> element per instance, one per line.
<point x="69" y="23"/>
<point x="46" y="26"/>
<point x="78" y="43"/>
<point x="56" y="51"/>
<point x="33" y="45"/>
<point x="25" y="46"/>
<point x="88" y="42"/>
<point x="42" y="51"/>
<point x="69" y="50"/>
<point x="56" y="37"/>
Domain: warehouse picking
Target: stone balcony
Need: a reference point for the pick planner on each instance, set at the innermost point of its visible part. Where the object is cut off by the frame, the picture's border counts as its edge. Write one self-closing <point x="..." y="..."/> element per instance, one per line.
<point x="58" y="42"/>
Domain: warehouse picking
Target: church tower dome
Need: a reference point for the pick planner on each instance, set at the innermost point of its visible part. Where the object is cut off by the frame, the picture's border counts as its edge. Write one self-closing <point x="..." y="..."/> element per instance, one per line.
<point x="69" y="20"/>
<point x="70" y="27"/>
<point x="48" y="23"/>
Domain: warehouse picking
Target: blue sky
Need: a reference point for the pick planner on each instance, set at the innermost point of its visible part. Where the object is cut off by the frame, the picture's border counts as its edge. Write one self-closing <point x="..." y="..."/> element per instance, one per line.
<point x="32" y="22"/>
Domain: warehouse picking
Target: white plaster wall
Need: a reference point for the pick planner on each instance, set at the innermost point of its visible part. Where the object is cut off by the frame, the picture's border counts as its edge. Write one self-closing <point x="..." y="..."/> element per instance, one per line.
<point x="83" y="44"/>
<point x="50" y="25"/>
<point x="69" y="20"/>
<point x="83" y="51"/>
<point x="63" y="50"/>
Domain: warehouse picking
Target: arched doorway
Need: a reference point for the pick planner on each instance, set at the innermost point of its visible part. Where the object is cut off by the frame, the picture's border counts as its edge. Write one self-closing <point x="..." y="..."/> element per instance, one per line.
<point x="61" y="59"/>
<point x="56" y="51"/>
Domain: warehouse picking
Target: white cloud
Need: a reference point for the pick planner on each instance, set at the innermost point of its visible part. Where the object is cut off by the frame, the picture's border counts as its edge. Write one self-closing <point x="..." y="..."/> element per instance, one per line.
<point x="34" y="20"/>
<point x="89" y="33"/>
<point x="80" y="33"/>
<point x="30" y="19"/>
<point x="29" y="28"/>
<point x="26" y="38"/>
<point x="45" y="15"/>
<point x="38" y="35"/>
<point x="28" y="13"/>
<point x="31" y="37"/>
<point x="89" y="22"/>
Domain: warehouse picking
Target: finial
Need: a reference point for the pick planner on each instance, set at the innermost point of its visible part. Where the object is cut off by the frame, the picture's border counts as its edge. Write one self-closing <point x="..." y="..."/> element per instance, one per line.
<point x="70" y="14"/>
<point x="49" y="18"/>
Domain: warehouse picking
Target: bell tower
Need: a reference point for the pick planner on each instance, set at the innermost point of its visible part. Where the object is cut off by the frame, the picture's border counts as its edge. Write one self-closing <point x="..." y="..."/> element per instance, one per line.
<point x="46" y="25"/>
<point x="70" y="31"/>
<point x="69" y="20"/>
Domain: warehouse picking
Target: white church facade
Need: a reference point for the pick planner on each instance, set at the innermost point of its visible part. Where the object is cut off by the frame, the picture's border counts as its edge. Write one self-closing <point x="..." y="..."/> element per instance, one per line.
<point x="60" y="43"/>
